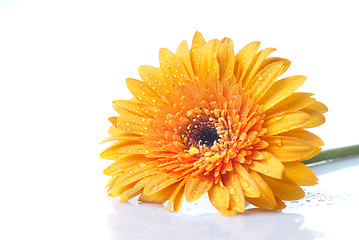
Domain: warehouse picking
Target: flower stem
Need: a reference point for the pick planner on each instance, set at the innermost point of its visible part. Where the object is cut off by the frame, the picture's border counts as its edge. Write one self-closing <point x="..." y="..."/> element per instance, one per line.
<point x="334" y="153"/>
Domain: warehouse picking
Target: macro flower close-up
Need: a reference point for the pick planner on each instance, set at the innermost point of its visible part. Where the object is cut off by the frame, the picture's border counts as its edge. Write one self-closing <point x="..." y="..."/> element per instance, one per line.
<point x="212" y="121"/>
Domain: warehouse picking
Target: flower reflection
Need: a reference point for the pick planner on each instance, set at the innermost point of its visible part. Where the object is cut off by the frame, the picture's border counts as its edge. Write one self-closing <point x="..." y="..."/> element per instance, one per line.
<point x="152" y="221"/>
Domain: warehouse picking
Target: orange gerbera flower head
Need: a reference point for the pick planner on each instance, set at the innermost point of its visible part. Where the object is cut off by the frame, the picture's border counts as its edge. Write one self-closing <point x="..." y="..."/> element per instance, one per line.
<point x="212" y="121"/>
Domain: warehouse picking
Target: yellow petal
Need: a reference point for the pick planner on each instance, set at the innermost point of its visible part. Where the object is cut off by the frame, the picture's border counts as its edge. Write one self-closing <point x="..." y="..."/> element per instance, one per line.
<point x="244" y="58"/>
<point x="264" y="79"/>
<point x="197" y="186"/>
<point x="284" y="122"/>
<point x="318" y="106"/>
<point x="116" y="189"/>
<point x="288" y="149"/>
<point x="293" y="103"/>
<point x="255" y="64"/>
<point x="183" y="54"/>
<point x="134" y="149"/>
<point x="316" y="118"/>
<point x="270" y="60"/>
<point x="270" y="166"/>
<point x="225" y="56"/>
<point x="172" y="67"/>
<point x="280" y="90"/>
<point x="160" y="196"/>
<point x="300" y="174"/>
<point x="197" y="40"/>
<point x="284" y="189"/>
<point x="266" y="199"/>
<point x="176" y="197"/>
<point x="135" y="190"/>
<point x="159" y="182"/>
<point x="306" y="136"/>
<point x="130" y="106"/>
<point x="219" y="196"/>
<point x="125" y="162"/>
<point x="143" y="93"/>
<point x="249" y="186"/>
<point x="112" y="153"/>
<point x="134" y="174"/>
<point x="128" y="126"/>
<point x="206" y="66"/>
<point x="236" y="198"/>
<point x="280" y="204"/>
<point x="154" y="78"/>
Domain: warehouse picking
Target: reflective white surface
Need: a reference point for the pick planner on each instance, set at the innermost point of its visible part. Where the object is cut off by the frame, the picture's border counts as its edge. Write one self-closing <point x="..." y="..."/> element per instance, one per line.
<point x="62" y="63"/>
<point x="327" y="212"/>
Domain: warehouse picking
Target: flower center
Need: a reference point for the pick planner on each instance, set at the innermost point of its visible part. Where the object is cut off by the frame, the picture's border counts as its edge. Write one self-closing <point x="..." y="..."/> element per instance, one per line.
<point x="203" y="133"/>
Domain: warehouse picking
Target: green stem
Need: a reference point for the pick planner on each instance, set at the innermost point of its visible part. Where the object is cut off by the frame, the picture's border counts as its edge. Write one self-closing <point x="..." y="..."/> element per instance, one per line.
<point x="334" y="153"/>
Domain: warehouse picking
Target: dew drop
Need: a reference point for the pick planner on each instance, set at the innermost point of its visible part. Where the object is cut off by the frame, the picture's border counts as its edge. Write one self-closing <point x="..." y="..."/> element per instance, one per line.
<point x="265" y="170"/>
<point x="232" y="191"/>
<point x="139" y="97"/>
<point x="279" y="142"/>
<point x="153" y="188"/>
<point x="143" y="92"/>
<point x="245" y="183"/>
<point x="279" y="116"/>
<point x="142" y="165"/>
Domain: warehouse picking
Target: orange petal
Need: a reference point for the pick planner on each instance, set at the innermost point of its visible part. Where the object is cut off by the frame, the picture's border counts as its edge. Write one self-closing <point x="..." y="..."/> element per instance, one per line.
<point x="300" y="174"/>
<point x="266" y="199"/>
<point x="293" y="103"/>
<point x="183" y="54"/>
<point x="284" y="122"/>
<point x="288" y="149"/>
<point x="284" y="189"/>
<point x="249" y="186"/>
<point x="219" y="196"/>
<point x="270" y="166"/>
<point x="236" y="198"/>
<point x="176" y="197"/>
<point x="280" y="204"/>
<point x="197" y="186"/>
<point x="280" y="90"/>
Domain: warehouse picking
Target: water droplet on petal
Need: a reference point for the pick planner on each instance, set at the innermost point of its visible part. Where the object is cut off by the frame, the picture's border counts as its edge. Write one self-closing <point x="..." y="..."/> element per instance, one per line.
<point x="245" y="183"/>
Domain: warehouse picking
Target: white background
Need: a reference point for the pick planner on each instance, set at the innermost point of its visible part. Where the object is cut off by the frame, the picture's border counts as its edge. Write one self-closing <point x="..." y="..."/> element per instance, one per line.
<point x="62" y="63"/>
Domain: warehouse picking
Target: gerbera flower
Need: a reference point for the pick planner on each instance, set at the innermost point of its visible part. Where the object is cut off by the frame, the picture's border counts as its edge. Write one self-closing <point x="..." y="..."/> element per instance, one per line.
<point x="211" y="121"/>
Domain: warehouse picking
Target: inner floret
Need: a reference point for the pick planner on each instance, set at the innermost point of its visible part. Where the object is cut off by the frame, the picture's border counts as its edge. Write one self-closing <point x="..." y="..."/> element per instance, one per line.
<point x="203" y="133"/>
